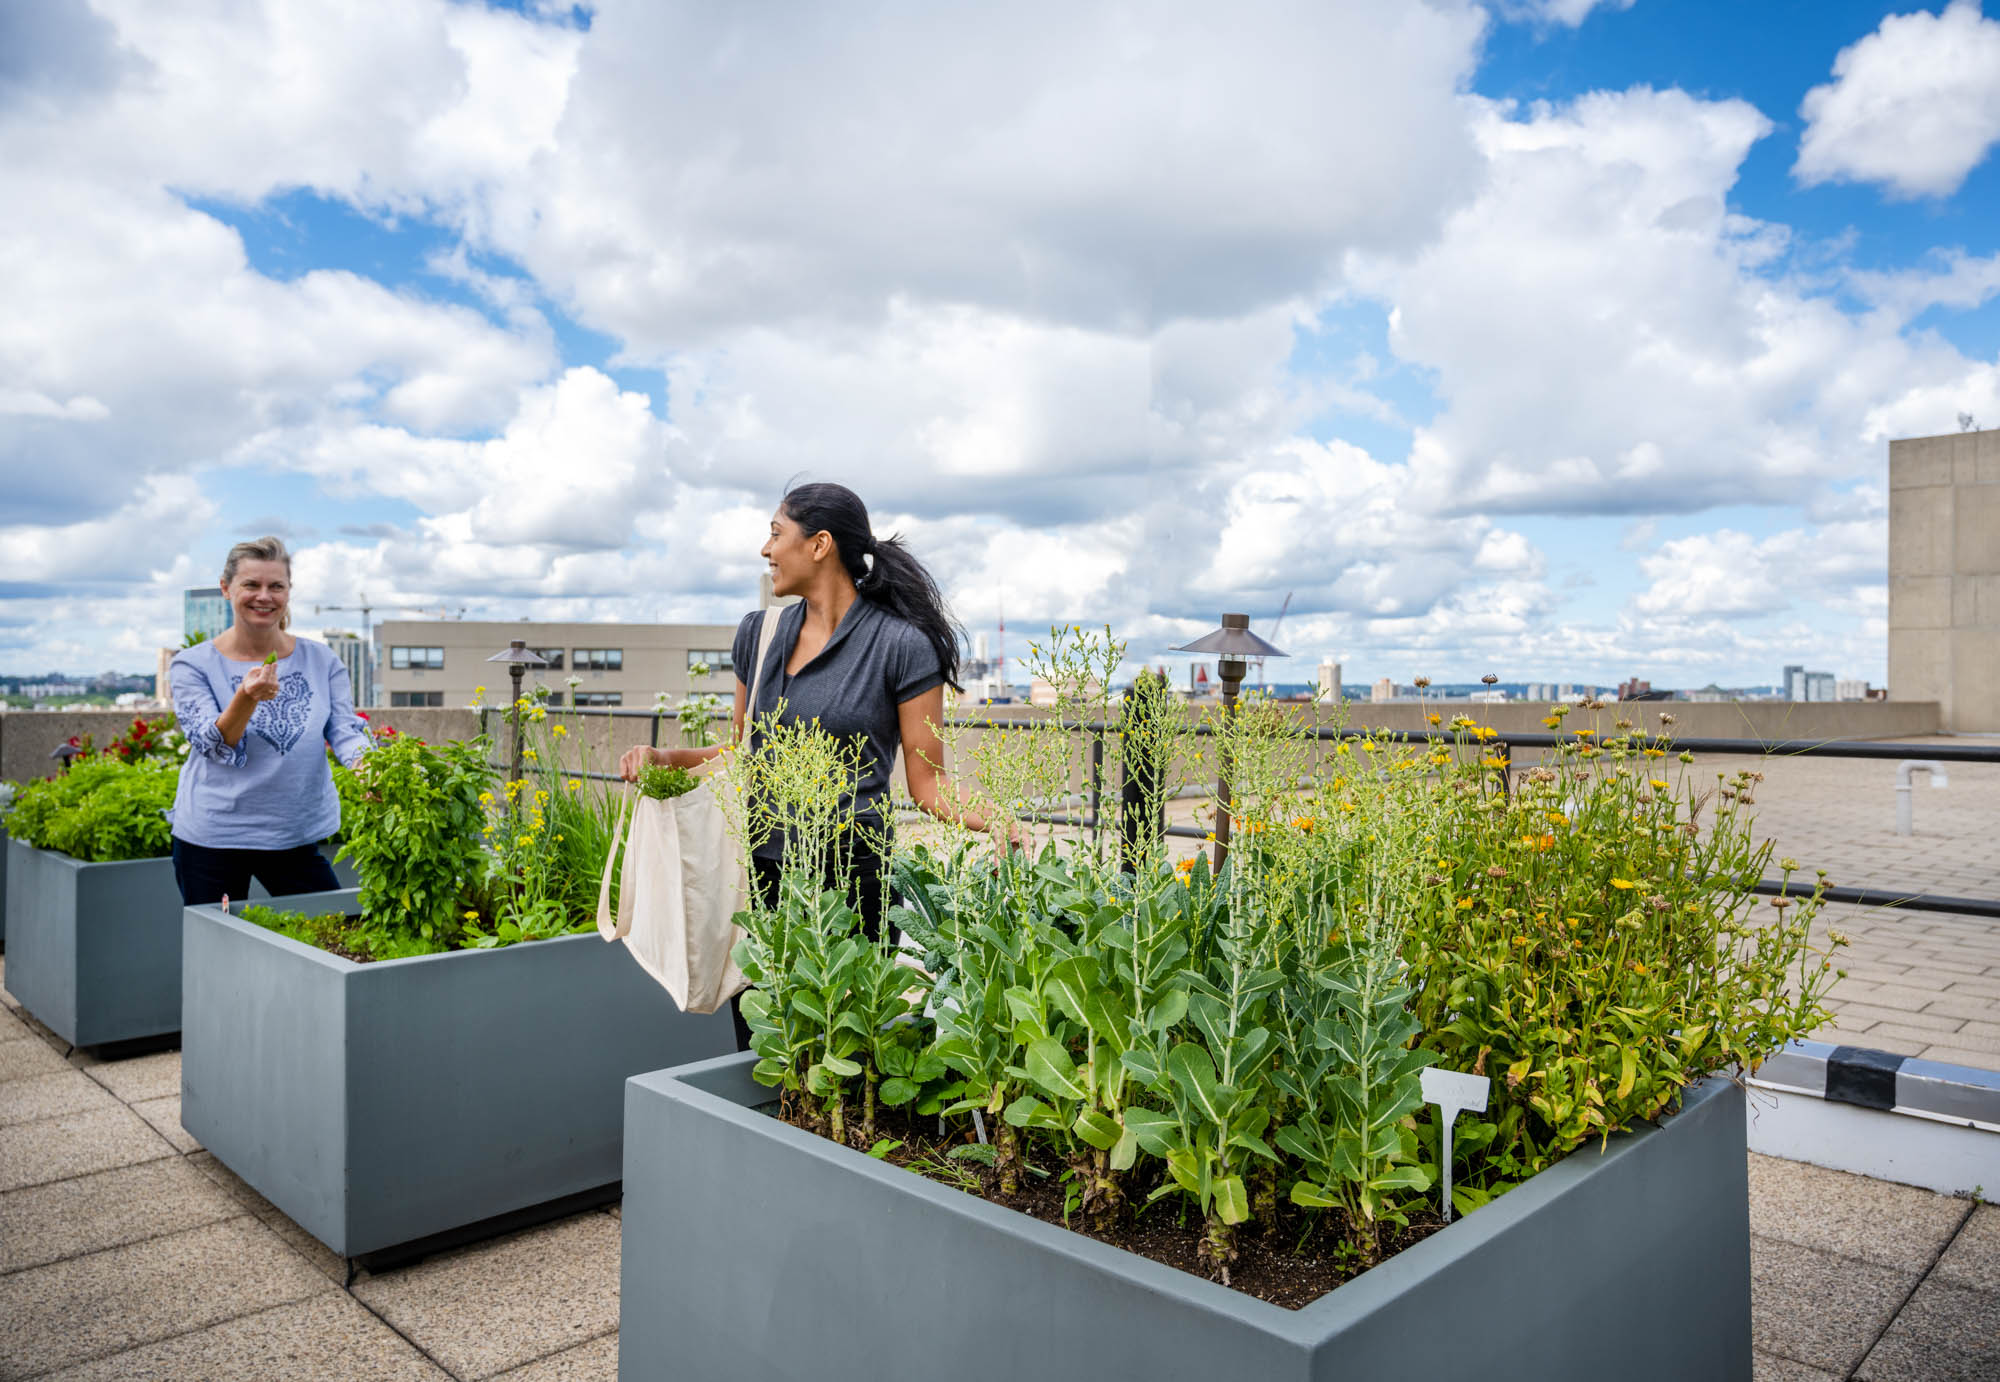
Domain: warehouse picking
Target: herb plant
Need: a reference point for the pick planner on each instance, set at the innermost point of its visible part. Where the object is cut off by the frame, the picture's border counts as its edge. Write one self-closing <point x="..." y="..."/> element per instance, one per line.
<point x="103" y="809"/>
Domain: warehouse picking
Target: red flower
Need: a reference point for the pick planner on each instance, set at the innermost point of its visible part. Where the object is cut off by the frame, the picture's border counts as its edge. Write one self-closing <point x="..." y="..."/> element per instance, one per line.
<point x="360" y="714"/>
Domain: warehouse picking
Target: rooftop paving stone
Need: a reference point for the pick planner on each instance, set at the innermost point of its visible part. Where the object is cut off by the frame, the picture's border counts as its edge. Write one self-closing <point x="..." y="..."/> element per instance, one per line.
<point x="1946" y="1332"/>
<point x="322" y="1337"/>
<point x="75" y="1145"/>
<point x="1818" y="1308"/>
<point x="106" y="1302"/>
<point x="164" y="1117"/>
<point x="49" y="1096"/>
<point x="484" y="1310"/>
<point x="22" y="1060"/>
<point x="596" y="1361"/>
<point x="1973" y="1259"/>
<point x="85" y="1214"/>
<point x="1769" y="1367"/>
<point x="1867" y="1220"/>
<point x="141" y="1077"/>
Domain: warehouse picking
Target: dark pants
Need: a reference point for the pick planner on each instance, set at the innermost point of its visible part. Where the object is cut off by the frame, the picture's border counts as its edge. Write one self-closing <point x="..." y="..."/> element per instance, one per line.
<point x="864" y="894"/>
<point x="209" y="875"/>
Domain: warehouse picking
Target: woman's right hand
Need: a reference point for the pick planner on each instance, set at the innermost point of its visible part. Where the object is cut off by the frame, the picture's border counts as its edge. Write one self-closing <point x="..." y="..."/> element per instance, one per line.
<point x="637" y="757"/>
<point x="261" y="684"/>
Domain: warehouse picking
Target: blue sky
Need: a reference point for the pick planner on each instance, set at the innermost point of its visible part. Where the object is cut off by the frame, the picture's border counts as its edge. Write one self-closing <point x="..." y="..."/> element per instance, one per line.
<point x="1540" y="345"/>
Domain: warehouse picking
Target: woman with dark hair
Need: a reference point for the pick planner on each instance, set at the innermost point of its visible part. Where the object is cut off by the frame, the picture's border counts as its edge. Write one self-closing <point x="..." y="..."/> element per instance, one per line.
<point x="867" y="652"/>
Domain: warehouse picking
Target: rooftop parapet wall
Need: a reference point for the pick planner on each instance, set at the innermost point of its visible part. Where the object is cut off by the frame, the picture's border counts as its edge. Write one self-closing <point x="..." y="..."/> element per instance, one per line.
<point x="1944" y="576"/>
<point x="27" y="738"/>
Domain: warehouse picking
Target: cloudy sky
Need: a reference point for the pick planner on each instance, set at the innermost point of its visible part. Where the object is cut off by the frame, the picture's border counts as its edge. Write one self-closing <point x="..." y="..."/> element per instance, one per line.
<point x="1557" y="338"/>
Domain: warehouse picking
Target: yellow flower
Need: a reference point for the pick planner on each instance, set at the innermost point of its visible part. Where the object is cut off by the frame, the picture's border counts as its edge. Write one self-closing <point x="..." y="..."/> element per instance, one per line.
<point x="1491" y="762"/>
<point x="1656" y="784"/>
<point x="1654" y="753"/>
<point x="575" y="783"/>
<point x="1303" y="824"/>
<point x="478" y="690"/>
<point x="1623" y="883"/>
<point x="528" y="754"/>
<point x="1558" y="818"/>
<point x="1638" y="968"/>
<point x="538" y="714"/>
<point x="472" y="916"/>
<point x="1184" y="867"/>
<point x="1434" y="719"/>
<point x="560" y="731"/>
<point x="485" y="798"/>
<point x="1465" y="904"/>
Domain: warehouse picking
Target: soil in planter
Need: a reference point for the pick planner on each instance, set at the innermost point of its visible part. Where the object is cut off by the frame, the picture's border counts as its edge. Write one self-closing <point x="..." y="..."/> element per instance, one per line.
<point x="1292" y="1262"/>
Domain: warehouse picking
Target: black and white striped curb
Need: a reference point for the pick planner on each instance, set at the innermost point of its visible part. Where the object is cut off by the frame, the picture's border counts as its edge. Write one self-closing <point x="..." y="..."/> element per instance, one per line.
<point x="1879" y="1080"/>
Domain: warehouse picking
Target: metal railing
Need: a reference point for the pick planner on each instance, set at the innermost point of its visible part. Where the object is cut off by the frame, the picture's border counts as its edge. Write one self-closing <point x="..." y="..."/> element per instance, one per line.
<point x="1502" y="744"/>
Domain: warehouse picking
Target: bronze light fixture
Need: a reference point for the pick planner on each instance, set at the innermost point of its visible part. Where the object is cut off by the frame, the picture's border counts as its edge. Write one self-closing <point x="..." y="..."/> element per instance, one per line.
<point x="1233" y="646"/>
<point x="518" y="657"/>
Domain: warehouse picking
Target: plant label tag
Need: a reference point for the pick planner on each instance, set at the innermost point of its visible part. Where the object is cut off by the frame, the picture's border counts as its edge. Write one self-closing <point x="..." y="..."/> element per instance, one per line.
<point x="1453" y="1092"/>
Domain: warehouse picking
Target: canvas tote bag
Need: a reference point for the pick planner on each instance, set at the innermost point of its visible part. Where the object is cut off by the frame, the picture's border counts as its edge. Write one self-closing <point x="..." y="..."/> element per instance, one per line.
<point x="683" y="882"/>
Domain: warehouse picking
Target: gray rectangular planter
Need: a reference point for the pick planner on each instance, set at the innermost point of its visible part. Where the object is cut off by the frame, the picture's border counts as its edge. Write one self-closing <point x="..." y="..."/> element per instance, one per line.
<point x="754" y="1250"/>
<point x="95" y="949"/>
<point x="380" y="1104"/>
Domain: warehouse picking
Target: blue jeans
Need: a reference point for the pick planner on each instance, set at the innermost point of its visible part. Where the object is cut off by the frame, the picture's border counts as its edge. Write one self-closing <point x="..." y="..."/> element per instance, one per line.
<point x="208" y="875"/>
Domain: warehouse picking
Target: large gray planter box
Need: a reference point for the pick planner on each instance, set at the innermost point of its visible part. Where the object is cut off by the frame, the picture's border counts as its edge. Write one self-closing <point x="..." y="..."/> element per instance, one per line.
<point x="96" y="948"/>
<point x="4" y="842"/>
<point x="381" y="1104"/>
<point x="753" y="1250"/>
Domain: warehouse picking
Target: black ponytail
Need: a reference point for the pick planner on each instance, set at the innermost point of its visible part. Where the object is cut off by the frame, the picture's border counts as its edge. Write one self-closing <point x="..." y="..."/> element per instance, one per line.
<point x="883" y="570"/>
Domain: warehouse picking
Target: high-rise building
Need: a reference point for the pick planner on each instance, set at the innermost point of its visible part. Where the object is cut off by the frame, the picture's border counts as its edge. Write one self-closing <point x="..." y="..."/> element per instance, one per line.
<point x="205" y="610"/>
<point x="1789" y="685"/>
<point x="1384" y="690"/>
<point x="1851" y="689"/>
<point x="1328" y="690"/>
<point x="349" y="648"/>
<point x="1817" y="686"/>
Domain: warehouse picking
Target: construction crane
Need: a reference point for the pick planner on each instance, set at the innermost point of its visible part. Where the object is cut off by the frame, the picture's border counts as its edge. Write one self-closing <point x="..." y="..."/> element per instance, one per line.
<point x="366" y="611"/>
<point x="1276" y="625"/>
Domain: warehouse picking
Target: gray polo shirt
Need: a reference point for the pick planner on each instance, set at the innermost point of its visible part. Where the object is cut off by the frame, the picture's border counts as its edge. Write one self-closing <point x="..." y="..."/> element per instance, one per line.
<point x="873" y="663"/>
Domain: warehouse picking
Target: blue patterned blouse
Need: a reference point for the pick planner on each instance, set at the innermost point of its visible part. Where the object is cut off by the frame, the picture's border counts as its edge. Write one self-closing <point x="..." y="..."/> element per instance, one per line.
<point x="273" y="789"/>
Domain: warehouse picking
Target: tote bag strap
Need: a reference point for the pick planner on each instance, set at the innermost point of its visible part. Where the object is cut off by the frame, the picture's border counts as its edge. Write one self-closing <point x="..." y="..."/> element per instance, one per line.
<point x="611" y="926"/>
<point x="766" y="636"/>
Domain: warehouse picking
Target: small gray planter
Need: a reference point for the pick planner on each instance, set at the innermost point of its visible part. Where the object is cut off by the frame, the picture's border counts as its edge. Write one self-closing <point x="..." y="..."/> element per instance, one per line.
<point x="753" y="1250"/>
<point x="96" y="952"/>
<point x="93" y="951"/>
<point x="381" y="1104"/>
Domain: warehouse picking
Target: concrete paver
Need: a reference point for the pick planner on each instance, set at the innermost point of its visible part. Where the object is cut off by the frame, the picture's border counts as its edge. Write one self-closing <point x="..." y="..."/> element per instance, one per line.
<point x="1946" y="1332"/>
<point x="23" y="1060"/>
<point x="1973" y="1259"/>
<point x="1866" y="1220"/>
<point x="13" y="1028"/>
<point x="106" y="1302"/>
<point x="1816" y="1308"/>
<point x="76" y="1144"/>
<point x="143" y="1077"/>
<point x="50" y="1096"/>
<point x="482" y="1311"/>
<point x="164" y="1117"/>
<point x="1769" y="1367"/>
<point x="323" y="1258"/>
<point x="323" y="1336"/>
<point x="596" y="1361"/>
<point x="85" y="1214"/>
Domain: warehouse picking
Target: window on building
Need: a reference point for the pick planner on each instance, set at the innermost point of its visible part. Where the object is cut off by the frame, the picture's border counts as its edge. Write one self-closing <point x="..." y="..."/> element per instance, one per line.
<point x="718" y="660"/>
<point x="600" y="659"/>
<point x="414" y="700"/>
<point x="553" y="656"/>
<point x="590" y="698"/>
<point x="407" y="659"/>
<point x="554" y="698"/>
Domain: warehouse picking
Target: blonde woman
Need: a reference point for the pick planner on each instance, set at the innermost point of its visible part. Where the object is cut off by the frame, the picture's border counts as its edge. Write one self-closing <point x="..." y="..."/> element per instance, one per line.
<point x="259" y="708"/>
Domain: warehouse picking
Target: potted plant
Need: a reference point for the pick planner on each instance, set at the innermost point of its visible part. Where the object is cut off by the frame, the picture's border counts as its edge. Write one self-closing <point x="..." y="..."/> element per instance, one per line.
<point x="439" y="1053"/>
<point x="1173" y="1120"/>
<point x="91" y="902"/>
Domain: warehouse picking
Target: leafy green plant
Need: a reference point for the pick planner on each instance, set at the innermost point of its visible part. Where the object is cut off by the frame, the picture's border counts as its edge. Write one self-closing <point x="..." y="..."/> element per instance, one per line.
<point x="411" y="816"/>
<point x="663" y="783"/>
<point x="103" y="809"/>
<point x="1248" y="1042"/>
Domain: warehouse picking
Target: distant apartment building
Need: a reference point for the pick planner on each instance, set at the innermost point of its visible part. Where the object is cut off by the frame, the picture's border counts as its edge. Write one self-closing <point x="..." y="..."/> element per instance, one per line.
<point x="444" y="662"/>
<point x="1852" y="689"/>
<point x="1383" y="690"/>
<point x="205" y="610"/>
<point x="1633" y="689"/>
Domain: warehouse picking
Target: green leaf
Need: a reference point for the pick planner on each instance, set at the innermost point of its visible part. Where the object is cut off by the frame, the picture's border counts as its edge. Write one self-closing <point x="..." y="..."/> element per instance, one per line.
<point x="897" y="1090"/>
<point x="1169" y="1010"/>
<point x="1152" y="1130"/>
<point x="1628" y="1072"/>
<point x="1098" y="1129"/>
<point x="1194" y="1073"/>
<point x="842" y="1067"/>
<point x="1030" y="1112"/>
<point x="1232" y="1205"/>
<point x="1402" y="1178"/>
<point x="1312" y="1196"/>
<point x="1050" y="1067"/>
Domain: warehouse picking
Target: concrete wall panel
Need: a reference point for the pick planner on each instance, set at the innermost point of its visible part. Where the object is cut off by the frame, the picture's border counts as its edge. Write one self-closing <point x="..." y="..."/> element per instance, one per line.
<point x="1988" y="466"/>
<point x="1975" y="695"/>
<point x="1976" y="523"/>
<point x="1920" y="666"/>
<point x="1919" y="462"/>
<point x="1920" y="532"/>
<point x="1920" y="602"/>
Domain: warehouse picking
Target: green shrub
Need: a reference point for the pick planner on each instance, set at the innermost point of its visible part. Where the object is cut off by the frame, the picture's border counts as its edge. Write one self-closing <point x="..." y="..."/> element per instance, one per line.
<point x="103" y="809"/>
<point x="411" y="815"/>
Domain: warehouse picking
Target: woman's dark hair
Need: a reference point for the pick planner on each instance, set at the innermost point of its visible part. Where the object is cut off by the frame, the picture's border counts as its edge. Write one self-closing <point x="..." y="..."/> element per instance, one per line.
<point x="883" y="569"/>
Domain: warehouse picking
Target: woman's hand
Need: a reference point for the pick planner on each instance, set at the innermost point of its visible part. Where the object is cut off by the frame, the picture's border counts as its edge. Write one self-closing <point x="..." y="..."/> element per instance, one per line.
<point x="637" y="757"/>
<point x="261" y="684"/>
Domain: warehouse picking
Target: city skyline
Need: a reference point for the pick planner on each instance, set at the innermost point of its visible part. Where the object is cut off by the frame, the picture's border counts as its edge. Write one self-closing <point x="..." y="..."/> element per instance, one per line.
<point x="1534" y="332"/>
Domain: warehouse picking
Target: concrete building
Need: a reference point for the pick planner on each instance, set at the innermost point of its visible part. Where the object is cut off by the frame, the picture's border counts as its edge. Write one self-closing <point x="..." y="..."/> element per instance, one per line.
<point x="1944" y="576"/>
<point x="442" y="662"/>
<point x="1383" y="690"/>
<point x="205" y="610"/>
<point x="1328" y="690"/>
<point x="348" y="648"/>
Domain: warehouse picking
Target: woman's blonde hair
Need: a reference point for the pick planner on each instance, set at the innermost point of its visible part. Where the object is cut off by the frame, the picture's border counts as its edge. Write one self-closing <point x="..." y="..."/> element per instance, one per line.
<point x="259" y="549"/>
